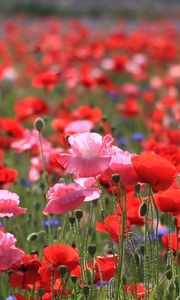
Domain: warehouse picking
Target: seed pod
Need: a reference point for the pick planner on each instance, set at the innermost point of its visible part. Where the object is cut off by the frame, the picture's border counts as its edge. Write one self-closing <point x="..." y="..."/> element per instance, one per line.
<point x="169" y="273"/>
<point x="143" y="209"/>
<point x="39" y="124"/>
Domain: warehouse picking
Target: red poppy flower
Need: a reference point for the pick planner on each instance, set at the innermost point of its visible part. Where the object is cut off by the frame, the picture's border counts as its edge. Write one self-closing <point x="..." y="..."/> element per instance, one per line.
<point x="10" y="131"/>
<point x="21" y="297"/>
<point x="1" y="156"/>
<point x="171" y="242"/>
<point x="104" y="268"/>
<point x="59" y="254"/>
<point x="132" y="207"/>
<point x="155" y="170"/>
<point x="169" y="200"/>
<point x="136" y="288"/>
<point x="7" y="176"/>
<point x="30" y="107"/>
<point x="111" y="225"/>
<point x="87" y="112"/>
<point x="130" y="108"/>
<point x="46" y="80"/>
<point x="25" y="272"/>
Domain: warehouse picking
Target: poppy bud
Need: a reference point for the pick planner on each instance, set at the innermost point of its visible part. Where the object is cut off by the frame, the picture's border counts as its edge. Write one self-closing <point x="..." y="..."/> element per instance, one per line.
<point x="124" y="279"/>
<point x="39" y="124"/>
<point x="41" y="235"/>
<point x="115" y="178"/>
<point x="137" y="188"/>
<point x="72" y="220"/>
<point x="74" y="278"/>
<point x="86" y="290"/>
<point x="67" y="137"/>
<point x="34" y="252"/>
<point x="62" y="270"/>
<point x="142" y="249"/>
<point x="92" y="249"/>
<point x="104" y="118"/>
<point x="163" y="219"/>
<point x="37" y="205"/>
<point x="61" y="180"/>
<point x="136" y="258"/>
<point x="40" y="292"/>
<point x="79" y="214"/>
<point x="143" y="209"/>
<point x="171" y="288"/>
<point x="102" y="214"/>
<point x="169" y="273"/>
<point x="89" y="275"/>
<point x="32" y="237"/>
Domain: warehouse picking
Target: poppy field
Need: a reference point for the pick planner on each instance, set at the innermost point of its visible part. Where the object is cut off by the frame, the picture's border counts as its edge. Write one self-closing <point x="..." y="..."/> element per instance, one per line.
<point x="89" y="160"/>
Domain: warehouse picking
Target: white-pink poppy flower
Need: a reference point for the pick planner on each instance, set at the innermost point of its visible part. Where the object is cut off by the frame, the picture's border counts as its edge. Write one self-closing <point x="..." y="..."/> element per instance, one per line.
<point x="9" y="253"/>
<point x="121" y="164"/>
<point x="89" y="185"/>
<point x="89" y="154"/>
<point x="79" y="126"/>
<point x="29" y="141"/>
<point x="64" y="197"/>
<point x="9" y="204"/>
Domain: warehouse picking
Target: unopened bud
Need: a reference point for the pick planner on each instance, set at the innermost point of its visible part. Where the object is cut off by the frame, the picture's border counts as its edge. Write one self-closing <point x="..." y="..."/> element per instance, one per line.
<point x="41" y="292"/>
<point x="137" y="188"/>
<point x="143" y="209"/>
<point x="74" y="278"/>
<point x="39" y="124"/>
<point x="92" y="249"/>
<point x="32" y="237"/>
<point x="79" y="214"/>
<point x="116" y="178"/>
<point x="62" y="269"/>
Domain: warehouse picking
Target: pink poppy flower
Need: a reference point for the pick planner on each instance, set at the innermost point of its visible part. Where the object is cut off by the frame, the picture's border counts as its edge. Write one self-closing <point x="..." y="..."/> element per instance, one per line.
<point x="89" y="155"/>
<point x="79" y="126"/>
<point x="121" y="164"/>
<point x="88" y="184"/>
<point x="9" y="253"/>
<point x="9" y="204"/>
<point x="63" y="198"/>
<point x="52" y="165"/>
<point x="29" y="141"/>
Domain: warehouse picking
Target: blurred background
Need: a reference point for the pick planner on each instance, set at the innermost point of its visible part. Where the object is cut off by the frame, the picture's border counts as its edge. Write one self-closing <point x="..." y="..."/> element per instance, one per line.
<point x="93" y="8"/>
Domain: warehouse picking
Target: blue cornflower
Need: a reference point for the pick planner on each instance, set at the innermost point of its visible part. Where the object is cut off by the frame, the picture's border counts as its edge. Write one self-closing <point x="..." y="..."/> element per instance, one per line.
<point x="137" y="136"/>
<point x="11" y="298"/>
<point x="121" y="141"/>
<point x="25" y="182"/>
<point x="113" y="96"/>
<point x="52" y="222"/>
<point x="102" y="283"/>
